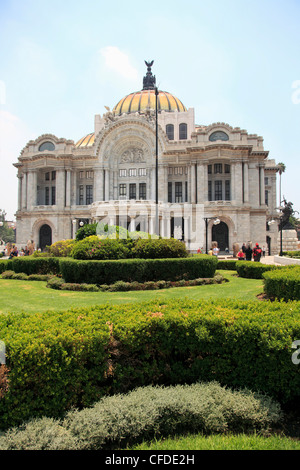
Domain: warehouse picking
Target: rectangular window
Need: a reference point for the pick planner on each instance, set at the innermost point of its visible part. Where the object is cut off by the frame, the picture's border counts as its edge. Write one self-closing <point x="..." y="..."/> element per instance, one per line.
<point x="122" y="173"/>
<point x="170" y="170"/>
<point x="227" y="168"/>
<point x="47" y="176"/>
<point x="209" y="169"/>
<point x="47" y="196"/>
<point x="132" y="191"/>
<point x="122" y="191"/>
<point x="81" y="195"/>
<point x="169" y="191"/>
<point x="209" y="190"/>
<point x="89" y="175"/>
<point x="178" y="191"/>
<point x="227" y="190"/>
<point x="170" y="131"/>
<point x="267" y="198"/>
<point x="53" y="194"/>
<point x="142" y="172"/>
<point x="186" y="192"/>
<point x="53" y="175"/>
<point x="81" y="175"/>
<point x="218" y="168"/>
<point x="89" y="194"/>
<point x="266" y="181"/>
<point x="218" y="190"/>
<point x="183" y="131"/>
<point x="142" y="191"/>
<point x="132" y="171"/>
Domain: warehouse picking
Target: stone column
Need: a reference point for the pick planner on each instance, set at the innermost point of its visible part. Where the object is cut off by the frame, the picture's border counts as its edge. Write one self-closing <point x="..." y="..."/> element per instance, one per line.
<point x="68" y="188"/>
<point x="19" y="192"/>
<point x="238" y="178"/>
<point x="262" y="185"/>
<point x="107" y="184"/>
<point x="98" y="185"/>
<point x="200" y="183"/>
<point x="60" y="188"/>
<point x="24" y="190"/>
<point x="246" y="182"/>
<point x="193" y="183"/>
<point x="32" y="189"/>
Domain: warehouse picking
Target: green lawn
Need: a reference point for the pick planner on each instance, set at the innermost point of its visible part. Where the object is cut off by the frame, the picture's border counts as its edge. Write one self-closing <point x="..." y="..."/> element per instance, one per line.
<point x="34" y="296"/>
<point x="222" y="442"/>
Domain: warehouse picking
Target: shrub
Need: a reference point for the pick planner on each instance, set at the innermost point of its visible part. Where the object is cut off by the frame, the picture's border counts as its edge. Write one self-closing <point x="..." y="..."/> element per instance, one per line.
<point x="8" y="274"/>
<point x="162" y="248"/>
<point x="228" y="264"/>
<point x="55" y="282"/>
<point x="292" y="254"/>
<point x="87" y="230"/>
<point x="31" y="265"/>
<point x="94" y="248"/>
<point x="141" y="270"/>
<point x="253" y="270"/>
<point x="61" y="248"/>
<point x="148" y="413"/>
<point x="283" y="284"/>
<point x="60" y="360"/>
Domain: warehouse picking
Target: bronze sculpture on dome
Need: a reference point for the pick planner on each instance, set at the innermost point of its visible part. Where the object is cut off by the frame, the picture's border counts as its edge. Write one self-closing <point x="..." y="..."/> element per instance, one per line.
<point x="149" y="81"/>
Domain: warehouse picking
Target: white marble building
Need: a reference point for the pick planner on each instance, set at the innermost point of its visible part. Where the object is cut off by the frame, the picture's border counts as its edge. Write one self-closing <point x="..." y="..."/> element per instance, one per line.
<point x="203" y="172"/>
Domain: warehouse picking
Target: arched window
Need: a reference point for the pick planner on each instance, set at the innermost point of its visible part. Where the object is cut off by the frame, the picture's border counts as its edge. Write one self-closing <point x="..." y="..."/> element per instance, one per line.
<point x="182" y="131"/>
<point x="47" y="146"/>
<point x="218" y="135"/>
<point x="170" y="131"/>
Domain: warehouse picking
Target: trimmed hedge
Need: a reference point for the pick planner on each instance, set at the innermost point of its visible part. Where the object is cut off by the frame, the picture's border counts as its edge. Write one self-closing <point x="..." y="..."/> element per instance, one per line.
<point x="228" y="264"/>
<point x="141" y="270"/>
<point x="283" y="284"/>
<point x="30" y="265"/>
<point x="292" y="254"/>
<point x="253" y="270"/>
<point x="147" y="413"/>
<point x="97" y="248"/>
<point x="68" y="359"/>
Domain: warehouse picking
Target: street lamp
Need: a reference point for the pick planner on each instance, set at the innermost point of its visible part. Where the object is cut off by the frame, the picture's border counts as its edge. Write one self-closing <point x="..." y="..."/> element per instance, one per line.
<point x="156" y="164"/>
<point x="216" y="222"/>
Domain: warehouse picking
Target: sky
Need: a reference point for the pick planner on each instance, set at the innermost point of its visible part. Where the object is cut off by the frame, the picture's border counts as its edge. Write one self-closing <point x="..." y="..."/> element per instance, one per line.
<point x="62" y="62"/>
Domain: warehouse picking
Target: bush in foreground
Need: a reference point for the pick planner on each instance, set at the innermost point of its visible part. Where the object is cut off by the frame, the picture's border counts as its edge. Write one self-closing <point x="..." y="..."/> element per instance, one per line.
<point x="147" y="413"/>
<point x="283" y="284"/>
<point x="59" y="360"/>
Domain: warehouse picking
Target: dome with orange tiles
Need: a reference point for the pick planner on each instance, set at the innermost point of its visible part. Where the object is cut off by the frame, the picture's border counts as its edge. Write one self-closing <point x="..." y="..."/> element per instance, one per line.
<point x="143" y="100"/>
<point x="86" y="141"/>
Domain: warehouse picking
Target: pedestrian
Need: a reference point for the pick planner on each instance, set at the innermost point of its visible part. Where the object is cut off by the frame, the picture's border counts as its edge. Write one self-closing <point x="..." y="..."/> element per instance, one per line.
<point x="243" y="248"/>
<point x="215" y="251"/>
<point x="264" y="251"/>
<point x="257" y="252"/>
<point x="248" y="252"/>
<point x="241" y="254"/>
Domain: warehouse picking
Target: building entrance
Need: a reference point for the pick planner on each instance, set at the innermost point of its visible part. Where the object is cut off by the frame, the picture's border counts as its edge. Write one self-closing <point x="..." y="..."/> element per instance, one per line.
<point x="220" y="234"/>
<point x="45" y="237"/>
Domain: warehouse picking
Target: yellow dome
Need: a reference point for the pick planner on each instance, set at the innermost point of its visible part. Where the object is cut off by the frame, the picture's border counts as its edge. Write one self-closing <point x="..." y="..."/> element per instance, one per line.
<point x="86" y="141"/>
<point x="141" y="100"/>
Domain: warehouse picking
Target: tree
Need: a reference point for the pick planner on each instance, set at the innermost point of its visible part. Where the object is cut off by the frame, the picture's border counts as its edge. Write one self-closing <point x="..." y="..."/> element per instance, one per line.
<point x="6" y="234"/>
<point x="281" y="169"/>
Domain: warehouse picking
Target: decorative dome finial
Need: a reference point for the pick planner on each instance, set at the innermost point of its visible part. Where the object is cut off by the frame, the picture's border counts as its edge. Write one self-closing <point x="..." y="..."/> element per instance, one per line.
<point x="149" y="81"/>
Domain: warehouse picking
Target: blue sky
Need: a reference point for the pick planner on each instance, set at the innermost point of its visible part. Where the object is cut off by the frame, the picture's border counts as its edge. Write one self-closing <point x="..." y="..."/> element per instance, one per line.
<point x="61" y="62"/>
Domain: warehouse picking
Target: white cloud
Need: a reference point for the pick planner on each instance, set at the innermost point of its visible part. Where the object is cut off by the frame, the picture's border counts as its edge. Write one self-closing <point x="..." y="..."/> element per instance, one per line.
<point x="119" y="62"/>
<point x="14" y="135"/>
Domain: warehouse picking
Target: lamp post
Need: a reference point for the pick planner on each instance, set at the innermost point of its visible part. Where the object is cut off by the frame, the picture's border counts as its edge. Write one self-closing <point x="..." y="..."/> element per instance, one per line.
<point x="156" y="165"/>
<point x="216" y="222"/>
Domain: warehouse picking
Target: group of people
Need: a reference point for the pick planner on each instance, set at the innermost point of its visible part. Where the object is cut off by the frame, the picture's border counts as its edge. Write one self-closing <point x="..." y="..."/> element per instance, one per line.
<point x="11" y="250"/>
<point x="248" y="253"/>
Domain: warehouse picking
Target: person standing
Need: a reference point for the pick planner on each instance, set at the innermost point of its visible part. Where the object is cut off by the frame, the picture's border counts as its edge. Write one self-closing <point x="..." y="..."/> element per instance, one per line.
<point x="248" y="252"/>
<point x="257" y="252"/>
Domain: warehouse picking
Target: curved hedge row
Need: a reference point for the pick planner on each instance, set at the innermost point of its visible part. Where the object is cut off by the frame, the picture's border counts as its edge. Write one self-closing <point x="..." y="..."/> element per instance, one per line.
<point x="61" y="360"/>
<point x="141" y="270"/>
<point x="283" y="284"/>
<point x="253" y="270"/>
